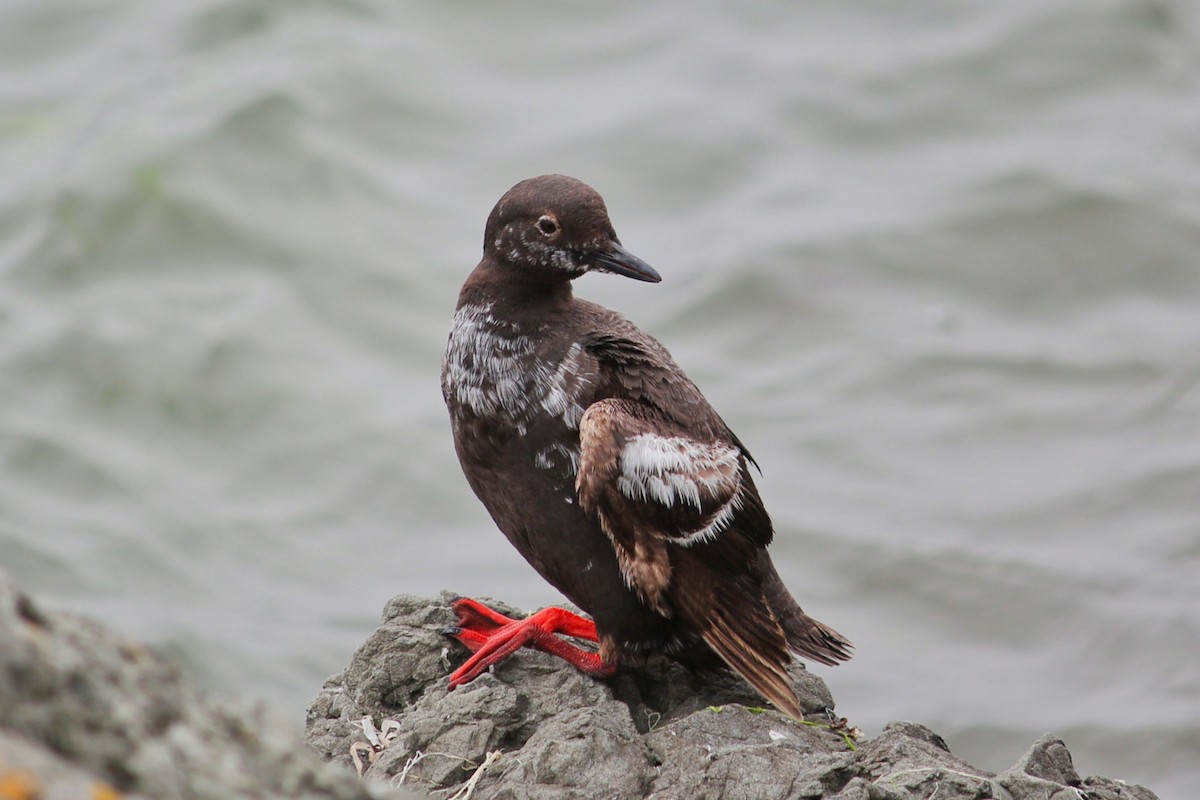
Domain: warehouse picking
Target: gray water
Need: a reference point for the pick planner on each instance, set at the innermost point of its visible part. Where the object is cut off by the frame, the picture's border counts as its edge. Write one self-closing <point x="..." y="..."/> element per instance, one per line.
<point x="938" y="264"/>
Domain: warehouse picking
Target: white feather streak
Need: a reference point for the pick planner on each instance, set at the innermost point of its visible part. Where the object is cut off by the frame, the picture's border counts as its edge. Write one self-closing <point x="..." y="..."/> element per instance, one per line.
<point x="675" y="471"/>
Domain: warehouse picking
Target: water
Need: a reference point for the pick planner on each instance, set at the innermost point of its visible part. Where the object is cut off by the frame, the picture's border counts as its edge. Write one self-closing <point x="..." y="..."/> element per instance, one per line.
<point x="936" y="264"/>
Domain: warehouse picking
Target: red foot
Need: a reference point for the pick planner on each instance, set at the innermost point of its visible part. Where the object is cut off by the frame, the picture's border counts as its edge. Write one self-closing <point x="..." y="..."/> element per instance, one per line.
<point x="492" y="637"/>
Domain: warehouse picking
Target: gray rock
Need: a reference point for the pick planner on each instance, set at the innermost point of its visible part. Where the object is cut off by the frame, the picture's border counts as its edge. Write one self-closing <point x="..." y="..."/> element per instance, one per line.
<point x="87" y="713"/>
<point x="1047" y="770"/>
<point x="536" y="729"/>
<point x="30" y="769"/>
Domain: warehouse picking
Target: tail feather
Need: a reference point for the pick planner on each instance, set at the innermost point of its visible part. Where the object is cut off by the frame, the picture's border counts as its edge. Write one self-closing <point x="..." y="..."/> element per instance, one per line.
<point x="751" y="621"/>
<point x="732" y="615"/>
<point x="766" y="675"/>
<point x="806" y="636"/>
<point x="816" y="641"/>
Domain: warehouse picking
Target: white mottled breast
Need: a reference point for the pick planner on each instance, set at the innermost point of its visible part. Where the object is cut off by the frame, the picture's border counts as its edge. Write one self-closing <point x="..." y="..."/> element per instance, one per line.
<point x="495" y="369"/>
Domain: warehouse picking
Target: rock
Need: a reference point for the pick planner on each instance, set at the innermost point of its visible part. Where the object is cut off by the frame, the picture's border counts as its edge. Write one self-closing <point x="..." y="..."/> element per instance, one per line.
<point x="1048" y="769"/>
<point x="534" y="728"/>
<point x="87" y="713"/>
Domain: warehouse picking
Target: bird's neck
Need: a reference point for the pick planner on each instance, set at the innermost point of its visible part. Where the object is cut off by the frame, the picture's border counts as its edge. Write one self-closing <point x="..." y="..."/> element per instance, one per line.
<point x="507" y="287"/>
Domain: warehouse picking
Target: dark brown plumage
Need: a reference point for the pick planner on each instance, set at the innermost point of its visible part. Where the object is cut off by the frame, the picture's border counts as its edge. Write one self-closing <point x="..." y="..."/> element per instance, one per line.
<point x="604" y="465"/>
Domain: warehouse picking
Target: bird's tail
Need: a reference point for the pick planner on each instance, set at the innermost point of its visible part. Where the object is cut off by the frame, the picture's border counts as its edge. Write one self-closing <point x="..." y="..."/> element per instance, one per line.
<point x="806" y="637"/>
<point x="815" y="640"/>
<point x="735" y="620"/>
<point x="764" y="672"/>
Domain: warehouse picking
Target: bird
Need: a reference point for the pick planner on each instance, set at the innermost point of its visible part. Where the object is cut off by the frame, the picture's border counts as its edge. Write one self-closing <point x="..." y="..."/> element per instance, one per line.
<point x="605" y="466"/>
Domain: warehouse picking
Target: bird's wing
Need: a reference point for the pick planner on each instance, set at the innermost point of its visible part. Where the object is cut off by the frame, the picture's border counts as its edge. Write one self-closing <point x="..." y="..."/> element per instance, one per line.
<point x="685" y="520"/>
<point x="636" y="366"/>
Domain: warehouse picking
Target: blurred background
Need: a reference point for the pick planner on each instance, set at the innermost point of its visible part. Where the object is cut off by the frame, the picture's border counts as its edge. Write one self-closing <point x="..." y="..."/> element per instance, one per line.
<point x="938" y="264"/>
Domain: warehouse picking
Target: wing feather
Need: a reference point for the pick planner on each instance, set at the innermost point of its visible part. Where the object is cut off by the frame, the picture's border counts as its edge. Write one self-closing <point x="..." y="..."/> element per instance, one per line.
<point x="671" y="502"/>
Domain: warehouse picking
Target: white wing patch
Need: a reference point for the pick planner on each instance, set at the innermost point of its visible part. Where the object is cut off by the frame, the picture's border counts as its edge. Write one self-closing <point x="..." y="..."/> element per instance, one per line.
<point x="718" y="524"/>
<point x="675" y="471"/>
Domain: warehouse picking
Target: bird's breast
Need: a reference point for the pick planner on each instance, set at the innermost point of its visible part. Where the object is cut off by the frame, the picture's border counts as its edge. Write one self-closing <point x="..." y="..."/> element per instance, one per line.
<point x="519" y="384"/>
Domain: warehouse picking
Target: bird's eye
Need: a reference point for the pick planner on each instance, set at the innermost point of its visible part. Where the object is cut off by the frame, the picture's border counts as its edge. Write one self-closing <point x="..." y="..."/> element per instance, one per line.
<point x="547" y="225"/>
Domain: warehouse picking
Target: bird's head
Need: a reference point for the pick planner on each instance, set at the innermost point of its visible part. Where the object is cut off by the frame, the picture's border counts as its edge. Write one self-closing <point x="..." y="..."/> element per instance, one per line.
<point x="554" y="228"/>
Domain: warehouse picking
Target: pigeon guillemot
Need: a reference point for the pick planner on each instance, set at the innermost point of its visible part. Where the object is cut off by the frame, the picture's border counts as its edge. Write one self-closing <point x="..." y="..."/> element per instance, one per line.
<point x="604" y="465"/>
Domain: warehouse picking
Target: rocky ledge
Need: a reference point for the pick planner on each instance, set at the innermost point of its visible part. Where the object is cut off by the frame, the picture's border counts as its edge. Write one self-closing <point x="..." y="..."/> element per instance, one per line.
<point x="86" y="713"/>
<point x="535" y="729"/>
